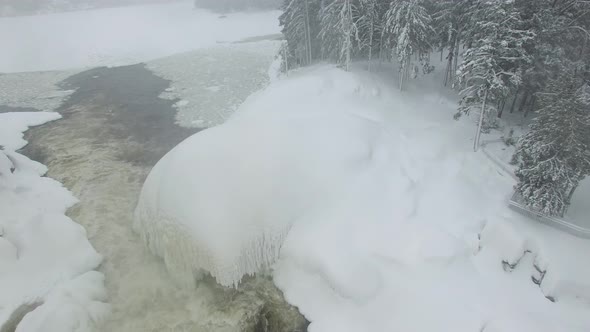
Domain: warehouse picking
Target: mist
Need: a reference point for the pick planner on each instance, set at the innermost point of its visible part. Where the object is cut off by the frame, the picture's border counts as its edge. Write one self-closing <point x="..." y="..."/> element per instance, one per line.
<point x="32" y="7"/>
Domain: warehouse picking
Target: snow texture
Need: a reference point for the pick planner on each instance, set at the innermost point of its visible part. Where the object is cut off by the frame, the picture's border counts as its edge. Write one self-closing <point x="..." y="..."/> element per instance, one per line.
<point x="119" y="36"/>
<point x="370" y="208"/>
<point x="46" y="261"/>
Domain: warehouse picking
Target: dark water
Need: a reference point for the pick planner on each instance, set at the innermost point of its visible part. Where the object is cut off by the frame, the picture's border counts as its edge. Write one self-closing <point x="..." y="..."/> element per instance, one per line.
<point x="125" y="100"/>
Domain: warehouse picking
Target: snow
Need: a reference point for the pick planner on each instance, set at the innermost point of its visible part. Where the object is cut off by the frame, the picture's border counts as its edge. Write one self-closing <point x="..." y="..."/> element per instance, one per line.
<point x="46" y="261"/>
<point x="369" y="207"/>
<point x="119" y="36"/>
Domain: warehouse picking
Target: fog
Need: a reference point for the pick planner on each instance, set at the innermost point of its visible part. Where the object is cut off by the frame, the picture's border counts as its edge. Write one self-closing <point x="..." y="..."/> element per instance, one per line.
<point x="32" y="7"/>
<point x="29" y="7"/>
<point x="236" y="5"/>
<point x="120" y="36"/>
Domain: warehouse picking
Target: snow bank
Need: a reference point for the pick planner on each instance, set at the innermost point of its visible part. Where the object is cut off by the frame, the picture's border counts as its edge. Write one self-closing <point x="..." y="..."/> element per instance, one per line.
<point x="118" y="36"/>
<point x="46" y="261"/>
<point x="370" y="208"/>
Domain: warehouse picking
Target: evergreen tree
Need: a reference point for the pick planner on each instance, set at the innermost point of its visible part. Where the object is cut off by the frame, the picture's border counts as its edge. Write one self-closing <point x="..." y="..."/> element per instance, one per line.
<point x="339" y="31"/>
<point x="554" y="156"/>
<point x="491" y="65"/>
<point x="408" y="24"/>
<point x="369" y="25"/>
<point x="299" y="23"/>
<point x="450" y="19"/>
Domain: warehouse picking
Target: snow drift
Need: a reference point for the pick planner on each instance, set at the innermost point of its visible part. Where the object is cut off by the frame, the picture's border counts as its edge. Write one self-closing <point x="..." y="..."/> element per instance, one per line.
<point x="369" y="207"/>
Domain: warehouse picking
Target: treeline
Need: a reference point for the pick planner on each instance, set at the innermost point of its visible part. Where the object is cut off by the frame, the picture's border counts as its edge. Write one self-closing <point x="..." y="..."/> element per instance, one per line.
<point x="527" y="56"/>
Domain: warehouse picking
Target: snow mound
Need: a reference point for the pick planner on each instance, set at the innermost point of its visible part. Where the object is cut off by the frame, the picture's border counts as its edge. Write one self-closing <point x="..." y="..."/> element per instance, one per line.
<point x="271" y="169"/>
<point x="369" y="206"/>
<point x="47" y="280"/>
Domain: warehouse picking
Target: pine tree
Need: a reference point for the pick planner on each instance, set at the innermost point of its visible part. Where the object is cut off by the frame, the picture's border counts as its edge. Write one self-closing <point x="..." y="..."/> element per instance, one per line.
<point x="490" y="68"/>
<point x="300" y="25"/>
<point x="408" y="24"/>
<point x="339" y="31"/>
<point x="369" y="25"/>
<point x="450" y="20"/>
<point x="554" y="156"/>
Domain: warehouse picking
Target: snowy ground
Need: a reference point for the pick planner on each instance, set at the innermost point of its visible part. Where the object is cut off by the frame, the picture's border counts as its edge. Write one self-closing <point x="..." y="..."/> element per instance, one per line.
<point x="385" y="217"/>
<point x="120" y="36"/>
<point x="47" y="277"/>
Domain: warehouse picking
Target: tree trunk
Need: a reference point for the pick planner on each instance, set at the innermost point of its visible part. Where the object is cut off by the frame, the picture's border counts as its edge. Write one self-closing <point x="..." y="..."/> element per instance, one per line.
<point x="402" y="72"/>
<point x="448" y="73"/>
<point x="514" y="100"/>
<point x="502" y="108"/>
<point x="456" y="56"/>
<point x="348" y="37"/>
<point x="381" y="47"/>
<point x="531" y="106"/>
<point x="286" y="57"/>
<point x="524" y="100"/>
<point x="370" y="47"/>
<point x="480" y="124"/>
<point x="308" y="32"/>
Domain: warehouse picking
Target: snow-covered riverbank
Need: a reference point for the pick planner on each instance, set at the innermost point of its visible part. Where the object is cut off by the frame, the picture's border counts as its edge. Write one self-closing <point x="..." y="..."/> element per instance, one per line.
<point x="48" y="280"/>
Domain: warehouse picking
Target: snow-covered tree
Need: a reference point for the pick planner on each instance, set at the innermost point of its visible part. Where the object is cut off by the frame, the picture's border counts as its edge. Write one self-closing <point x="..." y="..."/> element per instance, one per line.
<point x="369" y="25"/>
<point x="555" y="154"/>
<point x="449" y="20"/>
<point x="408" y="24"/>
<point x="491" y="64"/>
<point x="339" y="31"/>
<point x="300" y="28"/>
